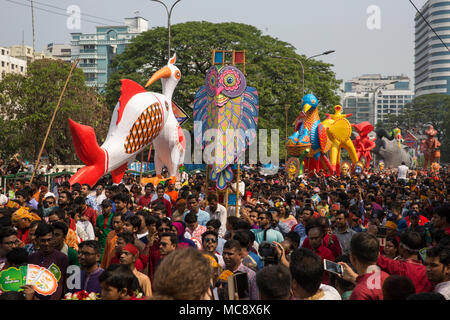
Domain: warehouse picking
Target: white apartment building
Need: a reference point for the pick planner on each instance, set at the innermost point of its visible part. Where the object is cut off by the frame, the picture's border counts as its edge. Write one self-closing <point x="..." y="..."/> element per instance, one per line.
<point x="9" y="64"/>
<point x="371" y="97"/>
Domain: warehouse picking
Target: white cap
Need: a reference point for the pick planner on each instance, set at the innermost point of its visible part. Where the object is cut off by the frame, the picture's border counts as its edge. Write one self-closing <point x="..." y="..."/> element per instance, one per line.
<point x="49" y="194"/>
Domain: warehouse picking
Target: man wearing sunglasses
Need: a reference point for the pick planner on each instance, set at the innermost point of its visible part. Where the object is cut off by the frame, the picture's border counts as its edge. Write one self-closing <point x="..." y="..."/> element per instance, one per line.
<point x="167" y="244"/>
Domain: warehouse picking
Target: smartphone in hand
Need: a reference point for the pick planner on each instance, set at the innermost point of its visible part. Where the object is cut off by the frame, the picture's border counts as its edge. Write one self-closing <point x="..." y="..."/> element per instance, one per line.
<point x="333" y="267"/>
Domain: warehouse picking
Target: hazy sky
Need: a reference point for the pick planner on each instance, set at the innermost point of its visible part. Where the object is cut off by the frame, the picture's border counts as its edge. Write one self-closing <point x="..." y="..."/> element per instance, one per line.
<point x="310" y="26"/>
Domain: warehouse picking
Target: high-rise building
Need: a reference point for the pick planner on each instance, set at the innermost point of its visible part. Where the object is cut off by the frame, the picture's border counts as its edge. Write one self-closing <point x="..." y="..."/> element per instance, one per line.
<point x="96" y="51"/>
<point x="432" y="59"/>
<point x="10" y="64"/>
<point x="371" y="97"/>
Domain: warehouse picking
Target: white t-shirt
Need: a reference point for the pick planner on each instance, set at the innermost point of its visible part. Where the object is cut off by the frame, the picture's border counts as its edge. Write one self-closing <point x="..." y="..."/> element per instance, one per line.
<point x="402" y="172"/>
<point x="330" y="293"/>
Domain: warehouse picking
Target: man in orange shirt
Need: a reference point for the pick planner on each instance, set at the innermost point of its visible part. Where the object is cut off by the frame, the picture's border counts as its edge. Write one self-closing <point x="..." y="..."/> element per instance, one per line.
<point x="111" y="239"/>
<point x="172" y="193"/>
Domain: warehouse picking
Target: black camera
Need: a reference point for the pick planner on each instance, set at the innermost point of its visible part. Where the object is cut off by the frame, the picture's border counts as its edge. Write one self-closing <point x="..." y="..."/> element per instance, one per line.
<point x="268" y="253"/>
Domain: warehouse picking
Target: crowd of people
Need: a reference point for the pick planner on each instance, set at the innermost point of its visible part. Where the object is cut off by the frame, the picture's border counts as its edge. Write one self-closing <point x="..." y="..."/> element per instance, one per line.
<point x="382" y="235"/>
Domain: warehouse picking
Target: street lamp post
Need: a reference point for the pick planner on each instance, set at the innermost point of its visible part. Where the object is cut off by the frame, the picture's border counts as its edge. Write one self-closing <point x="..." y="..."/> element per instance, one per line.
<point x="301" y="64"/>
<point x="374" y="97"/>
<point x="169" y="13"/>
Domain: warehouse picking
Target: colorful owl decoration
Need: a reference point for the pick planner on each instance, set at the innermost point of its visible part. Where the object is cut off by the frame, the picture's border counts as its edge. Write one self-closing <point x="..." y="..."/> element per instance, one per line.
<point x="226" y="105"/>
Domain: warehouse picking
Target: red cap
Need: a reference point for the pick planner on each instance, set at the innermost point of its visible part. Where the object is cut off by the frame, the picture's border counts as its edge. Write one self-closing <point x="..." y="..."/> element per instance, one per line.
<point x="131" y="248"/>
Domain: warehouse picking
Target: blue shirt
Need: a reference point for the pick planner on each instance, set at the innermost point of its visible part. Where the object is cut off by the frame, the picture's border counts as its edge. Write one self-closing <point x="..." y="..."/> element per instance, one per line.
<point x="202" y="217"/>
<point x="257" y="259"/>
<point x="91" y="202"/>
<point x="271" y="235"/>
<point x="301" y="231"/>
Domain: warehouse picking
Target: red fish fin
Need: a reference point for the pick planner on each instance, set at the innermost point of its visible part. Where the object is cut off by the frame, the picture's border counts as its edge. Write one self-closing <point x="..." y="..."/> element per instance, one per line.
<point x="88" y="150"/>
<point x="118" y="173"/>
<point x="128" y="90"/>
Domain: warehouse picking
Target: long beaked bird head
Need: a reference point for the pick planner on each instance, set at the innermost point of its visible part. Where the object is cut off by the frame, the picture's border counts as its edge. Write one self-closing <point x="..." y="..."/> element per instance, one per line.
<point x="169" y="75"/>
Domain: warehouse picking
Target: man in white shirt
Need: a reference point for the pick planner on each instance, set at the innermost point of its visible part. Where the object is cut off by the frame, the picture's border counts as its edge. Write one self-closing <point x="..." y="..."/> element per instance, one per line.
<point x="217" y="211"/>
<point x="402" y="173"/>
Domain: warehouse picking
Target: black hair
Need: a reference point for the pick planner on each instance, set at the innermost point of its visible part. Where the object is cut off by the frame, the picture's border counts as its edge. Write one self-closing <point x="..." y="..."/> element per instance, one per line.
<point x="233" y="221"/>
<point x="243" y="238"/>
<point x="413" y="240"/>
<point x="43" y="229"/>
<point x="215" y="223"/>
<point x="134" y="220"/>
<point x="191" y="217"/>
<point x="365" y="247"/>
<point x="162" y="221"/>
<point x="61" y="226"/>
<point x="158" y="205"/>
<point x="7" y="232"/>
<point x="230" y="244"/>
<point x="121" y="196"/>
<point x="268" y="215"/>
<point x="209" y="232"/>
<point x="443" y="252"/>
<point x="60" y="213"/>
<point x="76" y="186"/>
<point x="211" y="197"/>
<point x="396" y="287"/>
<point x="17" y="256"/>
<point x="173" y="237"/>
<point x="294" y="238"/>
<point x="94" y="244"/>
<point x="127" y="236"/>
<point x="306" y="269"/>
<point x="274" y="282"/>
<point x="120" y="276"/>
<point x="80" y="200"/>
<point x="443" y="212"/>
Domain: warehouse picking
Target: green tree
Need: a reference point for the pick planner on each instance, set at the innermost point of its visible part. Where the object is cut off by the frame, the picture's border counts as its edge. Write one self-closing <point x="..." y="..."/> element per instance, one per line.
<point x="422" y="111"/>
<point x="27" y="105"/>
<point x="278" y="81"/>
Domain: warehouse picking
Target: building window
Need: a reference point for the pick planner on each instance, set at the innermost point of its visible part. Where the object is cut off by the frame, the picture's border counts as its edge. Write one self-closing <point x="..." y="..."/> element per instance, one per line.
<point x="3" y="63"/>
<point x="21" y="69"/>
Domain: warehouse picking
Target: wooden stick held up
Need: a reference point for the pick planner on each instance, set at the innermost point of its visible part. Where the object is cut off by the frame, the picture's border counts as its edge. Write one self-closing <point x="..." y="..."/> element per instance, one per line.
<point x="53" y="119"/>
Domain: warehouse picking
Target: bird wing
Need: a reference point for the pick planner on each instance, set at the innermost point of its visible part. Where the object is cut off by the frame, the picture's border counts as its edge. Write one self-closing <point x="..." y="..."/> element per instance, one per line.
<point x="203" y="113"/>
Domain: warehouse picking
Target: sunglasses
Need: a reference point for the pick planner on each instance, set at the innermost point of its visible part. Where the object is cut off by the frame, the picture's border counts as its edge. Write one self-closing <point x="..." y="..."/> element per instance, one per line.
<point x="210" y="240"/>
<point x="49" y="202"/>
<point x="164" y="229"/>
<point x="163" y="244"/>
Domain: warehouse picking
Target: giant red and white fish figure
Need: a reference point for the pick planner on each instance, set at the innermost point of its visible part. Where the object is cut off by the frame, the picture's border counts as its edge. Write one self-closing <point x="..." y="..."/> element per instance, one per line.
<point x="139" y="117"/>
<point x="170" y="144"/>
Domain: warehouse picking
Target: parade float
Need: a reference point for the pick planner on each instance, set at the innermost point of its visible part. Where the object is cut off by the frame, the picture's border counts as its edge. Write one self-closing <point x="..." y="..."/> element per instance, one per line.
<point x="227" y="111"/>
<point x="138" y="119"/>
<point x="313" y="139"/>
<point x="390" y="149"/>
<point x="430" y="147"/>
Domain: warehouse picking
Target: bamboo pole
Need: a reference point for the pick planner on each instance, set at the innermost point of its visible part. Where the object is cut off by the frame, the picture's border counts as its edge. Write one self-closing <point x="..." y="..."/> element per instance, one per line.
<point x="53" y="119"/>
<point x="237" y="190"/>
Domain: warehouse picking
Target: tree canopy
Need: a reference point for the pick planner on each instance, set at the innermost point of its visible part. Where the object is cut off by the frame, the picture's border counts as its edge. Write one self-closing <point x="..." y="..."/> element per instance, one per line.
<point x="278" y="81"/>
<point x="27" y="105"/>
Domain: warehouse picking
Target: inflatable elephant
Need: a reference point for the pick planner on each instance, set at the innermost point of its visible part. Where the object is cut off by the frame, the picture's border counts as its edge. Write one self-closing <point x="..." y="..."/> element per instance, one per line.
<point x="388" y="149"/>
